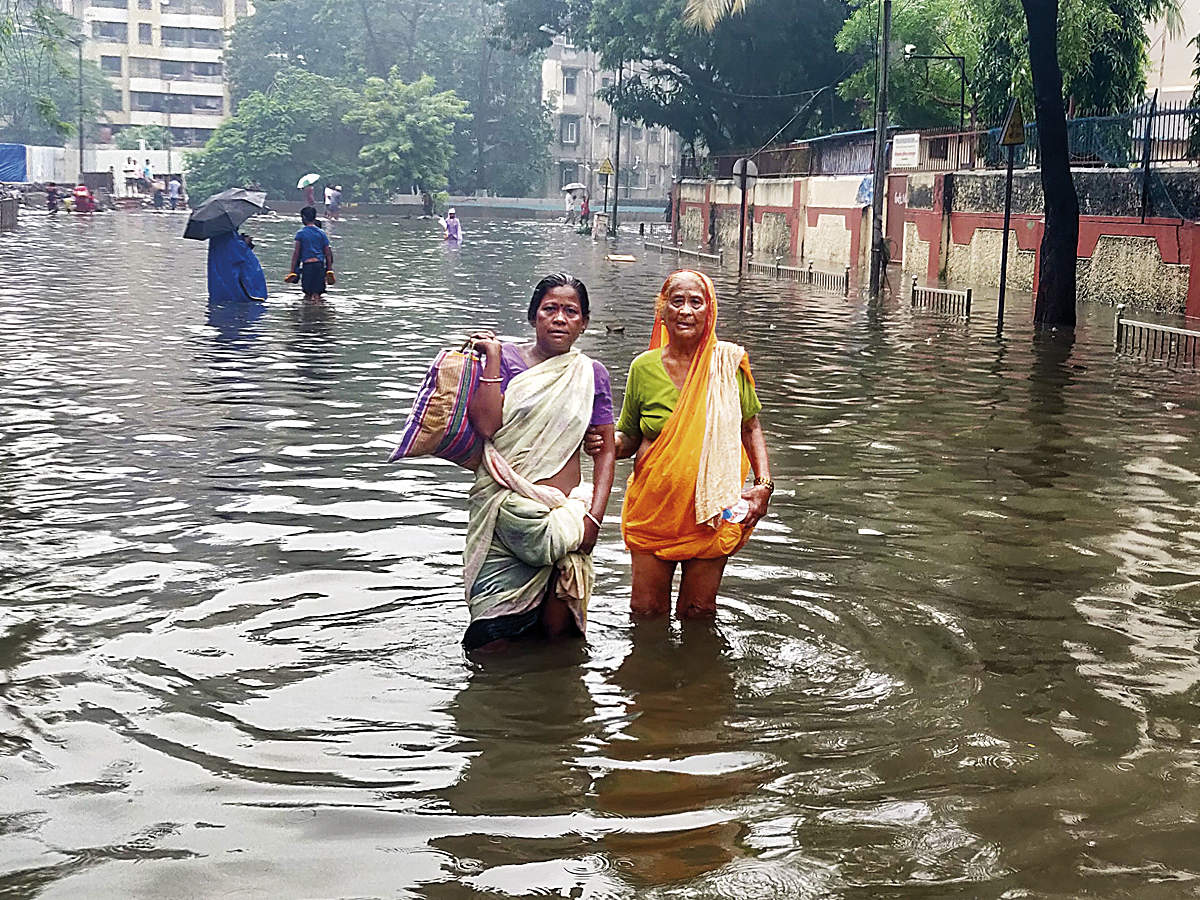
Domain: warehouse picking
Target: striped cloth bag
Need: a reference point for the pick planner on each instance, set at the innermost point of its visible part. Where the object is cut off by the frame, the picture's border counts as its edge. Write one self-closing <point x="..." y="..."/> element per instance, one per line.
<point x="437" y="425"/>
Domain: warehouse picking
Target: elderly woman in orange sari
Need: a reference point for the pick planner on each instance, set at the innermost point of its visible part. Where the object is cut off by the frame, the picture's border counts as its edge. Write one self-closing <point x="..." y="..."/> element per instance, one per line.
<point x="690" y="416"/>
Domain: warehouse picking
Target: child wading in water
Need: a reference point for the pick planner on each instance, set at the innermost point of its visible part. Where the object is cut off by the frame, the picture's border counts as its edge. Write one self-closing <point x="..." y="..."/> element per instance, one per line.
<point x="312" y="257"/>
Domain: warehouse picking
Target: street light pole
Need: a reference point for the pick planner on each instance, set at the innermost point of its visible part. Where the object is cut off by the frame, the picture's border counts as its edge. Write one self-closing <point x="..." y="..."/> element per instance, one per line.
<point x="962" y="77"/>
<point x="79" y="49"/>
<point x="170" y="103"/>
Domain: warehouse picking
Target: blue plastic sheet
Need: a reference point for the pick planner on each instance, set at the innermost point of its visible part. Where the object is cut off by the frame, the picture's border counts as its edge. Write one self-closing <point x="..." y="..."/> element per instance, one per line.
<point x="12" y="162"/>
<point x="234" y="272"/>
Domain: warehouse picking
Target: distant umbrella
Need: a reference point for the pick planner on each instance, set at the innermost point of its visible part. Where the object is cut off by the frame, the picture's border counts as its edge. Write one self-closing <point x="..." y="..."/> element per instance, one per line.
<point x="310" y="178"/>
<point x="574" y="186"/>
<point x="224" y="212"/>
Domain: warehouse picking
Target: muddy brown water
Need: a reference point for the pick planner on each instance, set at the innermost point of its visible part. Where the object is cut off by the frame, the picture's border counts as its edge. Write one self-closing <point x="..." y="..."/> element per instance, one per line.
<point x="958" y="660"/>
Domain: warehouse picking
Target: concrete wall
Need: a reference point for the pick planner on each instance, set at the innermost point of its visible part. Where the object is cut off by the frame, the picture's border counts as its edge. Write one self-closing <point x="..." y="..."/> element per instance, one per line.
<point x="794" y="218"/>
<point x="953" y="232"/>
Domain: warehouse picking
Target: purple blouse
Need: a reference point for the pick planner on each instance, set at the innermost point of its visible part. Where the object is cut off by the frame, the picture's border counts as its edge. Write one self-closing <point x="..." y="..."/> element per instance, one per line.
<point x="513" y="363"/>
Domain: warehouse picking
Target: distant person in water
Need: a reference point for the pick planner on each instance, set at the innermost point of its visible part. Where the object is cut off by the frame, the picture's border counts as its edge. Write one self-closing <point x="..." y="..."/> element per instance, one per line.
<point x="312" y="257"/>
<point x="453" y="226"/>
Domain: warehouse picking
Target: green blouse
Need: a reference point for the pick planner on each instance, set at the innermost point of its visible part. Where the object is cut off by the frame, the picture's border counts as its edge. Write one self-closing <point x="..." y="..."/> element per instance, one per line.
<point x="650" y="397"/>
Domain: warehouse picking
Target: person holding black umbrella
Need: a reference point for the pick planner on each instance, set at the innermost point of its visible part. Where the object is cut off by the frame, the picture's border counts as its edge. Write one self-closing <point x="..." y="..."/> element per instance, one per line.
<point x="234" y="272"/>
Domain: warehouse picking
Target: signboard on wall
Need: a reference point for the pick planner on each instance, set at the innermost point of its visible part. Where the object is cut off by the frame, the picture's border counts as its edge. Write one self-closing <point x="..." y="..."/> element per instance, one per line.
<point x="906" y="151"/>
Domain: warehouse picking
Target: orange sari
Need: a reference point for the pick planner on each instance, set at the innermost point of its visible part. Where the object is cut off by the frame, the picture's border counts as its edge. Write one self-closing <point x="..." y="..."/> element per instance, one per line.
<point x="659" y="513"/>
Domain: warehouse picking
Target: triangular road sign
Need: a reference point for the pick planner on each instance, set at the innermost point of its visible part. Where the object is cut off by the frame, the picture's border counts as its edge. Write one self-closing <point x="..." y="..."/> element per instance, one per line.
<point x="1013" y="133"/>
<point x="606" y="168"/>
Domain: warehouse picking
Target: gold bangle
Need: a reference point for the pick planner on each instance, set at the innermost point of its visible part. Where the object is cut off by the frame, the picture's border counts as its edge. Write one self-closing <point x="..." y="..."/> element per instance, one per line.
<point x="765" y="482"/>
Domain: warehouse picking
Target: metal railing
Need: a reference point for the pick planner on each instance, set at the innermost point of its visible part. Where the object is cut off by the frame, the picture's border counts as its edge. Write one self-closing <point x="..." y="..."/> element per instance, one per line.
<point x="718" y="257"/>
<point x="1096" y="140"/>
<point x="941" y="300"/>
<point x="830" y="281"/>
<point x="1157" y="343"/>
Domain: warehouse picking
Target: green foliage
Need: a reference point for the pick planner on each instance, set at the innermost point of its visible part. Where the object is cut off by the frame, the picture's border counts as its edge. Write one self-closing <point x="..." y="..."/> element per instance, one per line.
<point x="501" y="147"/>
<point x="407" y="130"/>
<point x="1101" y="50"/>
<point x="295" y="126"/>
<point x="734" y="87"/>
<point x="39" y="76"/>
<point x="155" y="137"/>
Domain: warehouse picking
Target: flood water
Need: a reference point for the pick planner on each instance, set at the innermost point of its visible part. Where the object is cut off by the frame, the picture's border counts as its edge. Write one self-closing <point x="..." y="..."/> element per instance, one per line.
<point x="958" y="660"/>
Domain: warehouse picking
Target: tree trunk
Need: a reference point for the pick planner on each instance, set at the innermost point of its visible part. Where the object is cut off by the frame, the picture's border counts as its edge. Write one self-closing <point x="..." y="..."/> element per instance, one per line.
<point x="1055" y="304"/>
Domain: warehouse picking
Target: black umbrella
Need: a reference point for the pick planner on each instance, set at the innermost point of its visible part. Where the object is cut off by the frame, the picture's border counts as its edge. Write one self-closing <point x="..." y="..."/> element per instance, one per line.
<point x="224" y="212"/>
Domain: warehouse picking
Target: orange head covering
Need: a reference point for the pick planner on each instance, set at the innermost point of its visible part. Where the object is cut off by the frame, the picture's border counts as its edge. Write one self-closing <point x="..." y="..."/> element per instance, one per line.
<point x="659" y="514"/>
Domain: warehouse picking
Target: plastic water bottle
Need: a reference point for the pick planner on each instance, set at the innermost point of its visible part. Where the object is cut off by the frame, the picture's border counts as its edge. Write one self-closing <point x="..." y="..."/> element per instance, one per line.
<point x="737" y="512"/>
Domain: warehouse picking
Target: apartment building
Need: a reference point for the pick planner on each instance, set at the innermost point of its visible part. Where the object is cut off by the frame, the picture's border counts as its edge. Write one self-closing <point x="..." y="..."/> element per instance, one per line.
<point x="1172" y="57"/>
<point x="164" y="59"/>
<point x="585" y="132"/>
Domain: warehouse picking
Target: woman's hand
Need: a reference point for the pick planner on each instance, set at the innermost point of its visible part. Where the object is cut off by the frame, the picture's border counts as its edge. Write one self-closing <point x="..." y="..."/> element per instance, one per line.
<point x="591" y="531"/>
<point x="757" y="498"/>
<point x="486" y="343"/>
<point x="593" y="442"/>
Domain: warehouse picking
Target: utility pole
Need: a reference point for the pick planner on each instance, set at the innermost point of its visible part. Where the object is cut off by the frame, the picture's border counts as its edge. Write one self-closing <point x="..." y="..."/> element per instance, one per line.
<point x="879" y="187"/>
<point x="170" y="103"/>
<point x="79" y="50"/>
<point x="612" y="226"/>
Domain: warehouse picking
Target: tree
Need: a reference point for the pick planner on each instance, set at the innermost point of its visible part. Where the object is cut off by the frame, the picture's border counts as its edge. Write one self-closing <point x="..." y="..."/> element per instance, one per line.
<point x="502" y="147"/>
<point x="294" y="126"/>
<point x="732" y="88"/>
<point x="1055" y="302"/>
<point x="406" y="130"/>
<point x="1102" y="47"/>
<point x="39" y="89"/>
<point x="155" y="137"/>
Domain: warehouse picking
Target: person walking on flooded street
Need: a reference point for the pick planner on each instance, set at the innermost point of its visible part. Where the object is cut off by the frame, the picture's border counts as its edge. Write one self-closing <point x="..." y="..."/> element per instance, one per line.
<point x="528" y="558"/>
<point x="690" y="415"/>
<point x="312" y="257"/>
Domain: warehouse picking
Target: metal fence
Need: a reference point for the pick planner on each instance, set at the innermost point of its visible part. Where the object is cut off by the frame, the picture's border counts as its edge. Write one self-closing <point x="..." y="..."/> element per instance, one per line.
<point x="941" y="300"/>
<point x="1156" y="343"/>
<point x="830" y="281"/>
<point x="718" y="257"/>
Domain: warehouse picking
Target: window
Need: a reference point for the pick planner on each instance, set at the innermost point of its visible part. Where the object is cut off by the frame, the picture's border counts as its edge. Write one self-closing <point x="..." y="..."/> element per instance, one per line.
<point x="114" y="101"/>
<point x="113" y="32"/>
<point x="205" y="37"/>
<point x="569" y="132"/>
<point x="141" y="67"/>
<point x="206" y="71"/>
<point x="652" y="180"/>
<point x="110" y="4"/>
<point x="635" y="133"/>
<point x="568" y="173"/>
<point x="174" y="37"/>
<point x="654" y="135"/>
<point x="143" y="4"/>
<point x="208" y="105"/>
<point x="144" y="35"/>
<point x="172" y="69"/>
<point x="605" y="81"/>
<point x="111" y="64"/>
<point x="145" y="101"/>
<point x="570" y="78"/>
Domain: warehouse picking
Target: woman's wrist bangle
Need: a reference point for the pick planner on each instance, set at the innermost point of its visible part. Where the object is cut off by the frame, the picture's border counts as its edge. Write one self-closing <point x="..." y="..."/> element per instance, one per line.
<point x="490" y="380"/>
<point x="765" y="482"/>
<point x="599" y="524"/>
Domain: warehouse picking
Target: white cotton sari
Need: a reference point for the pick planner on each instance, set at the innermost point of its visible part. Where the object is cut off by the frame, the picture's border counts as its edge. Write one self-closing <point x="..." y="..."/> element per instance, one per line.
<point x="523" y="538"/>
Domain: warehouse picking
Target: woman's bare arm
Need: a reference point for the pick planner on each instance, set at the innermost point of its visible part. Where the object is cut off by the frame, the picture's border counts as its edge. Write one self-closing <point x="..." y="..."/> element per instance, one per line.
<point x="758" y="496"/>
<point x="487" y="405"/>
<point x="604" y="467"/>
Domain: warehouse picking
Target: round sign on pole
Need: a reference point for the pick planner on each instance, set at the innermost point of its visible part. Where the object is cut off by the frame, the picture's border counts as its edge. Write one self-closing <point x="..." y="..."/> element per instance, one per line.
<point x="747" y="166"/>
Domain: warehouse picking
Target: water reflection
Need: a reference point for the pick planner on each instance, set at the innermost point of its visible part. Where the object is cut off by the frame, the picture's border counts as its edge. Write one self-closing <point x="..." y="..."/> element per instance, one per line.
<point x="957" y="660"/>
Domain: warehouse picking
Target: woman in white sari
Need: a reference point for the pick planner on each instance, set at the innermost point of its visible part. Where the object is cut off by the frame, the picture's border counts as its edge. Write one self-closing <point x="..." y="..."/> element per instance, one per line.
<point x="528" y="565"/>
